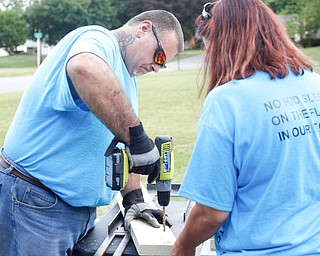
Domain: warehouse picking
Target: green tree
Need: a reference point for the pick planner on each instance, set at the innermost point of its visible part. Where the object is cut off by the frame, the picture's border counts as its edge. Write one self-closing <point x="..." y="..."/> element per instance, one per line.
<point x="279" y="5"/>
<point x="14" y="4"/>
<point x="302" y="16"/>
<point x="185" y="10"/>
<point x="56" y="18"/>
<point x="13" y="30"/>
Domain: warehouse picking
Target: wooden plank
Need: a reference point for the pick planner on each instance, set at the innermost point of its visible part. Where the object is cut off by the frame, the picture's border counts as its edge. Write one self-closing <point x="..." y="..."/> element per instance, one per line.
<point x="147" y="239"/>
<point x="151" y="241"/>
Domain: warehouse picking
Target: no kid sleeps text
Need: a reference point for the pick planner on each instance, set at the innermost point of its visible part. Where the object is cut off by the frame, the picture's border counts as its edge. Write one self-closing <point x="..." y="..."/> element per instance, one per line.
<point x="296" y="109"/>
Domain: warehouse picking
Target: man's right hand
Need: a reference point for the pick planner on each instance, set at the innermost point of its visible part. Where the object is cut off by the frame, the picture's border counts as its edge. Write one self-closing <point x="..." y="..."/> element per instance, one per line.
<point x="143" y="154"/>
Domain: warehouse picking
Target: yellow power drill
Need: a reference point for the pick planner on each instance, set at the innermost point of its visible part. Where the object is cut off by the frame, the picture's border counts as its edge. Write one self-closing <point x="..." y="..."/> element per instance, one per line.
<point x="117" y="170"/>
<point x="163" y="183"/>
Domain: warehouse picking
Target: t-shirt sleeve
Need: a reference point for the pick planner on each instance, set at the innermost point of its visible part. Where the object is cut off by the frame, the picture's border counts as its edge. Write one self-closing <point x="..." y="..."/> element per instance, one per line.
<point x="211" y="177"/>
<point x="95" y="42"/>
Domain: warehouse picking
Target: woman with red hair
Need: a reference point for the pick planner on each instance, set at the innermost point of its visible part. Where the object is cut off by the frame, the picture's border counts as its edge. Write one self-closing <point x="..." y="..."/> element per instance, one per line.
<point x="255" y="171"/>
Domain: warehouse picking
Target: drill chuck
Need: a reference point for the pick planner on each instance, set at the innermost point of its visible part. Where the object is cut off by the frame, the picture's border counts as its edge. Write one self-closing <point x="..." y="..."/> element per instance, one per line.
<point x="163" y="192"/>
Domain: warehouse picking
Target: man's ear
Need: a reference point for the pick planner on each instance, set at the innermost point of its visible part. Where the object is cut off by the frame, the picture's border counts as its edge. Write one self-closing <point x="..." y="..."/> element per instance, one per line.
<point x="144" y="28"/>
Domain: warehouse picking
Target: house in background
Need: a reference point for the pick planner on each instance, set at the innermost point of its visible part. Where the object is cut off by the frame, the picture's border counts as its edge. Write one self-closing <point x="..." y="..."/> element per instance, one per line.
<point x="3" y="53"/>
<point x="29" y="47"/>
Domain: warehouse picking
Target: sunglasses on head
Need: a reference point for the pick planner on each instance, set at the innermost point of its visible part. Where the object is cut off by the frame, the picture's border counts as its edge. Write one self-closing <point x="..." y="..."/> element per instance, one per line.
<point x="159" y="56"/>
<point x="205" y="11"/>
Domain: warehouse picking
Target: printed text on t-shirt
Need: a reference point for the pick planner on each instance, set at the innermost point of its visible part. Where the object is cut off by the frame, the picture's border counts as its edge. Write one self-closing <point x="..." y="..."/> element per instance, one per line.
<point x="305" y="107"/>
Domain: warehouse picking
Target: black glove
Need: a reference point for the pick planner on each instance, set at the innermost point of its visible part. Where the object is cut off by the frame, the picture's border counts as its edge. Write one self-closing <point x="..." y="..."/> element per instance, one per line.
<point x="135" y="207"/>
<point x="143" y="154"/>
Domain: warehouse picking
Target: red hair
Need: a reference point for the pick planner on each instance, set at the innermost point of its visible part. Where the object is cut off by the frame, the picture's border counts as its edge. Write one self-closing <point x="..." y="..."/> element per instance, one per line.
<point x="245" y="36"/>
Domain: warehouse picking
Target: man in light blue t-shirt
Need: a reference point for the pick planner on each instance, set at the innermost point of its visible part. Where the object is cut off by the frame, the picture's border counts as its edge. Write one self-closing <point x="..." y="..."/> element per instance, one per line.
<point x="52" y="165"/>
<point x="255" y="168"/>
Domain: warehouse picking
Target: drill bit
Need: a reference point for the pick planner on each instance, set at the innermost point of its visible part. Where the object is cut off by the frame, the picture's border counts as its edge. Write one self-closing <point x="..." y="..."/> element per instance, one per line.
<point x="164" y="218"/>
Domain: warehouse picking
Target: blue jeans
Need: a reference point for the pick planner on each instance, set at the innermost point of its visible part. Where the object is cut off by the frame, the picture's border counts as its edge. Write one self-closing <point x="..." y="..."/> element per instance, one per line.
<point x="36" y="222"/>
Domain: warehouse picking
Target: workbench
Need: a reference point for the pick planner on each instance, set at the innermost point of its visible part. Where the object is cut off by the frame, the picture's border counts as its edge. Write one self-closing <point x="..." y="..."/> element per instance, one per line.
<point x="108" y="237"/>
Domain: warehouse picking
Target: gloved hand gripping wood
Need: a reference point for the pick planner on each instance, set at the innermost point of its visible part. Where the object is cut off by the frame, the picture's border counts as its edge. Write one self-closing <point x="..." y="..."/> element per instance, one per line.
<point x="135" y="207"/>
<point x="143" y="154"/>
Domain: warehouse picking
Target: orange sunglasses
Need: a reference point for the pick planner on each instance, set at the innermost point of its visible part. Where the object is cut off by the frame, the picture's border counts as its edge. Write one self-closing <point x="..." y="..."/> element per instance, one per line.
<point x="159" y="56"/>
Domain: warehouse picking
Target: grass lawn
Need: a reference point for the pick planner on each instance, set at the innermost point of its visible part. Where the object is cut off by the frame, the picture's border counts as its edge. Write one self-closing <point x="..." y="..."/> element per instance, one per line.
<point x="313" y="53"/>
<point x="18" y="65"/>
<point x="169" y="105"/>
<point x="8" y="103"/>
<point x="19" y="61"/>
<point x="8" y="72"/>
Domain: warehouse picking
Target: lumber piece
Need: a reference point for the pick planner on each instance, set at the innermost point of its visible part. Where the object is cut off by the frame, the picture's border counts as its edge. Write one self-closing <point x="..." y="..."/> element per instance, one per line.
<point x="147" y="239"/>
<point x="151" y="241"/>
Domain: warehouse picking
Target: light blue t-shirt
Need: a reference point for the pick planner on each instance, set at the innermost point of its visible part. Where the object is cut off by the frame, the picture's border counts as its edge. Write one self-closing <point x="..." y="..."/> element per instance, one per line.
<point x="54" y="136"/>
<point x="257" y="156"/>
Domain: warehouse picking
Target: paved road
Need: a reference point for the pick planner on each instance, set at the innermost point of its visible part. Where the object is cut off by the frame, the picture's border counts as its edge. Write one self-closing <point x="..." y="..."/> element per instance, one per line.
<point x="12" y="84"/>
<point x="18" y="83"/>
<point x="187" y="63"/>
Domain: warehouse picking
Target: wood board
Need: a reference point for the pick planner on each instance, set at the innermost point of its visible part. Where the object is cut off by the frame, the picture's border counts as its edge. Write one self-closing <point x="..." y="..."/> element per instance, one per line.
<point x="147" y="239"/>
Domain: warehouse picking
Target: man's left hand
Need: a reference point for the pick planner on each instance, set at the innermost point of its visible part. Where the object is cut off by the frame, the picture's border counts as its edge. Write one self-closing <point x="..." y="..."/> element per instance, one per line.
<point x="135" y="207"/>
